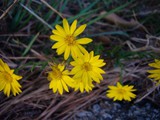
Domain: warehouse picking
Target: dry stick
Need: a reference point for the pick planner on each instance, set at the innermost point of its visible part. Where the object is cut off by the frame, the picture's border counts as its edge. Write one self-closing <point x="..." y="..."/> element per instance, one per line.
<point x="8" y="9"/>
<point x="53" y="109"/>
<point x="22" y="35"/>
<point x="151" y="90"/>
<point x="33" y="51"/>
<point x="49" y="6"/>
<point x="81" y="103"/>
<point x="35" y="15"/>
<point x="21" y="58"/>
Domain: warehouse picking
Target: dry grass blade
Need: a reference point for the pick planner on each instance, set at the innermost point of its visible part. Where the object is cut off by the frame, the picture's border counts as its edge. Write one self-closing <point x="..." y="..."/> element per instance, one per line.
<point x="39" y="18"/>
<point x="49" y="6"/>
<point x="148" y="92"/>
<point x="8" y="9"/>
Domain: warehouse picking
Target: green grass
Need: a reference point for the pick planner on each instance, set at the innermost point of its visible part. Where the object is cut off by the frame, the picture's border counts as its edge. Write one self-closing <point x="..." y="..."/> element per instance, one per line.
<point x="45" y="19"/>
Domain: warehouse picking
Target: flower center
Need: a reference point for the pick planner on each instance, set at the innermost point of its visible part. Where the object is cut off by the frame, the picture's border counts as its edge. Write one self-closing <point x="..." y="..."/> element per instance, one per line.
<point x="57" y="73"/>
<point x="7" y="77"/>
<point x="121" y="91"/>
<point x="87" y="66"/>
<point x="70" y="40"/>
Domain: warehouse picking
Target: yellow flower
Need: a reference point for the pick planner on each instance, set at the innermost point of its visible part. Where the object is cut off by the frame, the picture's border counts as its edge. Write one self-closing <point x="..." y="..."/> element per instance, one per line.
<point x="59" y="79"/>
<point x="66" y="39"/>
<point x="8" y="80"/>
<point x="155" y="74"/>
<point x="79" y="85"/>
<point x="87" y="68"/>
<point x="120" y="92"/>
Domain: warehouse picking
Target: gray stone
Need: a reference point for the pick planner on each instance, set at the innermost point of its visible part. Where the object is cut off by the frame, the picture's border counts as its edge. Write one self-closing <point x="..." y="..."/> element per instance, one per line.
<point x="137" y="112"/>
<point x="148" y="119"/>
<point x="84" y="114"/>
<point x="148" y="106"/>
<point x="96" y="108"/>
<point x="130" y="113"/>
<point x="155" y="111"/>
<point x="116" y="106"/>
<point x="107" y="116"/>
<point x="133" y="108"/>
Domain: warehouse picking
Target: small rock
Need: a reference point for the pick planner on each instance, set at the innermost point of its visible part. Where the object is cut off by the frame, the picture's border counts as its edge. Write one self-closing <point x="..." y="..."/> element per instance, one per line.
<point x="130" y="113"/>
<point x="140" y="118"/>
<point x="137" y="112"/>
<point x="84" y="114"/>
<point x="148" y="106"/>
<point x="116" y="106"/>
<point x="148" y="119"/>
<point x="96" y="108"/>
<point x="107" y="116"/>
<point x="133" y="108"/>
<point x="155" y="111"/>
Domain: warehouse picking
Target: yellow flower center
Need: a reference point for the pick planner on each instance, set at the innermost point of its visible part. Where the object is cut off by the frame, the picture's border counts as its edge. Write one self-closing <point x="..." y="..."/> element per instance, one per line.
<point x="70" y="40"/>
<point x="121" y="91"/>
<point x="7" y="77"/>
<point x="87" y="66"/>
<point x="57" y="73"/>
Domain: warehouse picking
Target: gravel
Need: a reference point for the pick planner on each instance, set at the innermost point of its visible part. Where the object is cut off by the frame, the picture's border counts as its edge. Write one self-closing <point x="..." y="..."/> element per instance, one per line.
<point x="109" y="110"/>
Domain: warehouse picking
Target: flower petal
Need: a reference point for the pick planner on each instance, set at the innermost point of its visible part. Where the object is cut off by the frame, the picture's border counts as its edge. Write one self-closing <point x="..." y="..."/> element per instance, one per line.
<point x="66" y="26"/>
<point x="56" y="32"/>
<point x="67" y="52"/>
<point x="56" y="38"/>
<point x="61" y="49"/>
<point x="73" y="26"/>
<point x="84" y="40"/>
<point x="58" y="44"/>
<point x="79" y="30"/>
<point x="61" y="30"/>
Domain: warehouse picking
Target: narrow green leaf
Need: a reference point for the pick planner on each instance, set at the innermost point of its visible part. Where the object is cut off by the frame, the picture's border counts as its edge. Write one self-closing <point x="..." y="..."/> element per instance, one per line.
<point x="30" y="44"/>
<point x="110" y="12"/>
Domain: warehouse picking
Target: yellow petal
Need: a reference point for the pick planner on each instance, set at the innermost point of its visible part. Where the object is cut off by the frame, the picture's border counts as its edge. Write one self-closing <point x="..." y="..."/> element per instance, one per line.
<point x="75" y="52"/>
<point x="79" y="30"/>
<point x="66" y="26"/>
<point x="73" y="26"/>
<point x="67" y="53"/>
<point x="83" y="50"/>
<point x="16" y="77"/>
<point x="61" y="49"/>
<point x="2" y="85"/>
<point x="61" y="30"/>
<point x="64" y="86"/>
<point x="59" y="86"/>
<point x="7" y="90"/>
<point x="58" y="44"/>
<point x="61" y="67"/>
<point x="81" y="87"/>
<point x="56" y="32"/>
<point x="84" y="40"/>
<point x="69" y="81"/>
<point x="56" y="38"/>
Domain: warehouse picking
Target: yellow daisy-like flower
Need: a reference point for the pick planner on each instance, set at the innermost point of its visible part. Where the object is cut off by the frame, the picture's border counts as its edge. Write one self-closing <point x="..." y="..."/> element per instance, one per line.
<point x="59" y="79"/>
<point x="155" y="74"/>
<point x="8" y="80"/>
<point x="66" y="39"/>
<point x="120" y="92"/>
<point x="87" y="68"/>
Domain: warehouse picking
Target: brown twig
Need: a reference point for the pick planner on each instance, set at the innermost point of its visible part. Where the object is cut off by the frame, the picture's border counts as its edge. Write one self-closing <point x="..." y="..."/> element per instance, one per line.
<point x="8" y="9"/>
<point x="49" y="6"/>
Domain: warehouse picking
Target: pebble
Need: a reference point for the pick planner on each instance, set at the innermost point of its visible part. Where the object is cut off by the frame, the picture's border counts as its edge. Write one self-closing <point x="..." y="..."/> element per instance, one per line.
<point x="84" y="114"/>
<point x="116" y="106"/>
<point x="96" y="108"/>
<point x="107" y="116"/>
<point x="120" y="111"/>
